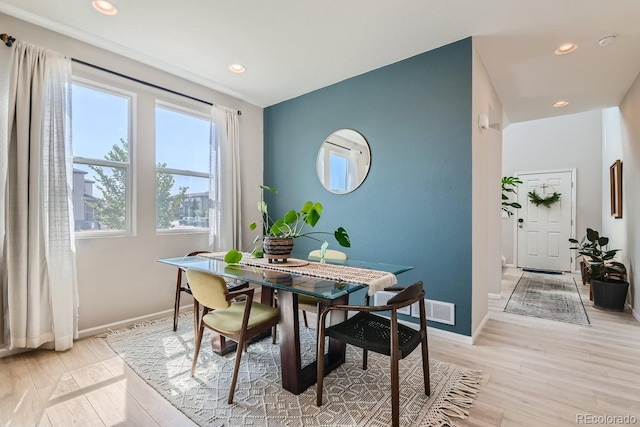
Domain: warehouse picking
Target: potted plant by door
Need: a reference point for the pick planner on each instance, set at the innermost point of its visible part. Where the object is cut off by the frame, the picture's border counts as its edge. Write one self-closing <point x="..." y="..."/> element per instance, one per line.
<point x="509" y="185"/>
<point x="606" y="276"/>
<point x="279" y="234"/>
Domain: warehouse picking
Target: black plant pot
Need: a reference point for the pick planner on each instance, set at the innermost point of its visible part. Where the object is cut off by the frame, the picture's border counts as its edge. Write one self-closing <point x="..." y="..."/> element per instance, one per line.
<point x="610" y="294"/>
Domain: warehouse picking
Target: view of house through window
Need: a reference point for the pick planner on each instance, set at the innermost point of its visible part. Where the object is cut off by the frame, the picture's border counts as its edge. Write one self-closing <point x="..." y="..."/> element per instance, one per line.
<point x="101" y="160"/>
<point x="182" y="168"/>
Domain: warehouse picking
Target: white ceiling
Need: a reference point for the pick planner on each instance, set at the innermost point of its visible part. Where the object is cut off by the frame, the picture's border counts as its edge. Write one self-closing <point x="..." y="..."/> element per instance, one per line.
<point x="291" y="47"/>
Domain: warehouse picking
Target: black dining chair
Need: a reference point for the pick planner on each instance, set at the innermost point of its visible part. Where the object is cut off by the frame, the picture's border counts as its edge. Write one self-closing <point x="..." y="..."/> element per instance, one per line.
<point x="379" y="334"/>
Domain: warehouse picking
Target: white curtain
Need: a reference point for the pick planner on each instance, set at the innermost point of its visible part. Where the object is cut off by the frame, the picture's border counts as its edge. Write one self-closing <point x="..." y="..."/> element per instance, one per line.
<point x="353" y="179"/>
<point x="38" y="251"/>
<point x="224" y="182"/>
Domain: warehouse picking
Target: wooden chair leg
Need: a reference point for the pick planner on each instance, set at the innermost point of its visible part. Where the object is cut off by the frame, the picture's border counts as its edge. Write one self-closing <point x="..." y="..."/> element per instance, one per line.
<point x="320" y="366"/>
<point x="232" y="387"/>
<point x="319" y="308"/>
<point x="425" y="366"/>
<point x="395" y="389"/>
<point x="197" y="349"/>
<point x="176" y="304"/>
<point x="304" y="316"/>
<point x="196" y="316"/>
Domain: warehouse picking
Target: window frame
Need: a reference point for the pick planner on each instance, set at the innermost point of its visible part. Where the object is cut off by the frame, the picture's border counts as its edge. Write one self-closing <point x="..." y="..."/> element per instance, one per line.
<point x="199" y="111"/>
<point x="94" y="83"/>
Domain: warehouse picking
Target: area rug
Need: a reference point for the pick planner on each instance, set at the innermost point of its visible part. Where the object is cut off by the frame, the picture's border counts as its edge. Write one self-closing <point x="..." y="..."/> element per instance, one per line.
<point x="548" y="297"/>
<point x="352" y="397"/>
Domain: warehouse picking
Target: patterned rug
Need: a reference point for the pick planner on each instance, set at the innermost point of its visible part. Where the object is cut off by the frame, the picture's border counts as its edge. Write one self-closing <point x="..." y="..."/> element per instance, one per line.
<point x="352" y="397"/>
<point x="548" y="297"/>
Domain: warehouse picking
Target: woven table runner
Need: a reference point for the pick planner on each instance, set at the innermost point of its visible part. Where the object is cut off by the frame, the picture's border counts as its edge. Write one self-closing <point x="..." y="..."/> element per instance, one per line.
<point x="374" y="279"/>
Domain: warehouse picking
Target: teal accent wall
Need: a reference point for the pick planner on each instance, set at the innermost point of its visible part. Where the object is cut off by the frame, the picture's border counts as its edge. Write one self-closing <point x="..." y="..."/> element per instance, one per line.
<point x="414" y="208"/>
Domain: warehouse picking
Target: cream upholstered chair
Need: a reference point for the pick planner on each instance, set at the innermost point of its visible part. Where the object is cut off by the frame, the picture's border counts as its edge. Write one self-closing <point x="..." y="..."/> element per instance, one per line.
<point x="312" y="304"/>
<point x="236" y="320"/>
<point x="330" y="254"/>
<point x="232" y="285"/>
<point x="381" y="335"/>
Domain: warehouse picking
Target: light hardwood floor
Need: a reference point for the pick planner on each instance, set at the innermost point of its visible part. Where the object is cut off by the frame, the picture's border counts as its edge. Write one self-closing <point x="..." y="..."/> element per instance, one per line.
<point x="537" y="373"/>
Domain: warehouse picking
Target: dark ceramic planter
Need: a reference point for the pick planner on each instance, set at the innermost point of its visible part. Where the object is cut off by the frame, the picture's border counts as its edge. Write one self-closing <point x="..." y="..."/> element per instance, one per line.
<point x="610" y="294"/>
<point x="277" y="248"/>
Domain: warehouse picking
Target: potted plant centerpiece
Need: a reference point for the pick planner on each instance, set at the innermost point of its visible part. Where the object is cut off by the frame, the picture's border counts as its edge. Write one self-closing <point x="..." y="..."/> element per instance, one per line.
<point x="276" y="241"/>
<point x="602" y="271"/>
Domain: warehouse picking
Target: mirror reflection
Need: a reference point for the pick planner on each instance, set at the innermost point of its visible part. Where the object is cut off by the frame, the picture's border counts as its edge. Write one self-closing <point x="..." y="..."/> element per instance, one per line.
<point x="343" y="161"/>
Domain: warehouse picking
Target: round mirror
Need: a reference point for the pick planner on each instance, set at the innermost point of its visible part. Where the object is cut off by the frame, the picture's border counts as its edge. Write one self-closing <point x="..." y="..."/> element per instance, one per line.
<point x="343" y="161"/>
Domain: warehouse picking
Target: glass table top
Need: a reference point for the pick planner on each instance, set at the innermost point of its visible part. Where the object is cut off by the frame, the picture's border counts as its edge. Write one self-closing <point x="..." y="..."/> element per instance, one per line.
<point x="300" y="284"/>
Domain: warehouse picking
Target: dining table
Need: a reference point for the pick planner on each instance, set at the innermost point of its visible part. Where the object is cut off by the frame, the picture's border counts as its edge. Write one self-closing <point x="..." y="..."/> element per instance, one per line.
<point x="331" y="281"/>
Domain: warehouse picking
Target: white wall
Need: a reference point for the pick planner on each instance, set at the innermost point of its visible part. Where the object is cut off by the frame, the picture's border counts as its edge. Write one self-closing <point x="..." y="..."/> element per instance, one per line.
<point x="627" y="148"/>
<point x="562" y="142"/>
<point x="486" y="173"/>
<point x="119" y="277"/>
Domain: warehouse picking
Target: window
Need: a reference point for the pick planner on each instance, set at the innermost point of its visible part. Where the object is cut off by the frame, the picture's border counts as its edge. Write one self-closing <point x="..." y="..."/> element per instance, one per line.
<point x="339" y="167"/>
<point x="183" y="139"/>
<point x="102" y="177"/>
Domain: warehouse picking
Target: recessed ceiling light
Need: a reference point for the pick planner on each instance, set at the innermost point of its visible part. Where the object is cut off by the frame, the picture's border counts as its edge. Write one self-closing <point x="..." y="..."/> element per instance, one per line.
<point x="237" y="68"/>
<point x="561" y="104"/>
<point x="607" y="40"/>
<point x="104" y="6"/>
<point x="565" y="48"/>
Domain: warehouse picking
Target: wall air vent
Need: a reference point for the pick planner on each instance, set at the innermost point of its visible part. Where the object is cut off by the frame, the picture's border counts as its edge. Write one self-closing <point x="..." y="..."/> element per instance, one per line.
<point x="437" y="311"/>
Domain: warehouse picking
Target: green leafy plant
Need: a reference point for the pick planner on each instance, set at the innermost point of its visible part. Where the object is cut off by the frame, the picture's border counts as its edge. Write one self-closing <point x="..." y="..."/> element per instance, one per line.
<point x="538" y="200"/>
<point x="594" y="246"/>
<point x="293" y="224"/>
<point x="509" y="185"/>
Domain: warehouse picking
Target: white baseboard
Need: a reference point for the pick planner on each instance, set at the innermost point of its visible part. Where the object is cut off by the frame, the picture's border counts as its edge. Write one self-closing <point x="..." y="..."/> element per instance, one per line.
<point x="450" y="335"/>
<point x="495" y="296"/>
<point x="6" y="353"/>
<point x="479" y="328"/>
<point x="89" y="332"/>
<point x="636" y="315"/>
<point x="440" y="333"/>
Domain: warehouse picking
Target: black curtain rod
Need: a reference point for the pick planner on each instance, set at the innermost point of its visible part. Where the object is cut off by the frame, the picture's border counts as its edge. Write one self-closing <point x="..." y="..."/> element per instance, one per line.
<point x="8" y="41"/>
<point x="342" y="146"/>
<point x="155" y="86"/>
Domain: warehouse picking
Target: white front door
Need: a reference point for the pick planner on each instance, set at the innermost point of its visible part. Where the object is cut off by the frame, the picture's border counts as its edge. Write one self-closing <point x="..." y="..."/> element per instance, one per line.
<point x="543" y="232"/>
